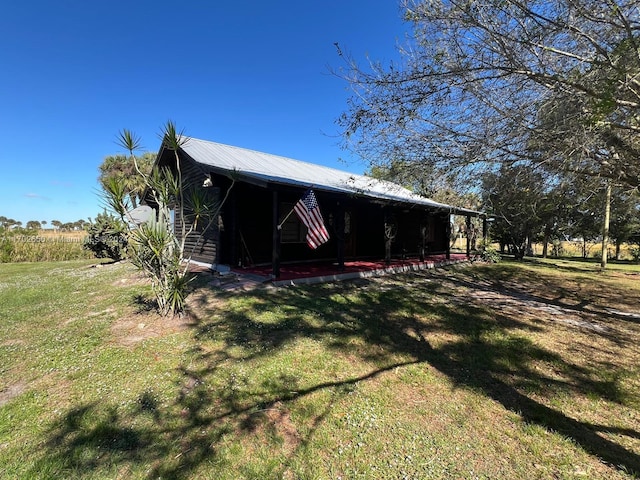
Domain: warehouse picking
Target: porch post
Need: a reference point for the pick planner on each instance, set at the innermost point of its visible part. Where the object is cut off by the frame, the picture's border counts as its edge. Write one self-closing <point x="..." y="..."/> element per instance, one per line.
<point x="275" y="250"/>
<point x="387" y="238"/>
<point x="447" y="231"/>
<point x="423" y="235"/>
<point x="235" y="259"/>
<point x="468" y="225"/>
<point x="485" y="232"/>
<point x="339" y="223"/>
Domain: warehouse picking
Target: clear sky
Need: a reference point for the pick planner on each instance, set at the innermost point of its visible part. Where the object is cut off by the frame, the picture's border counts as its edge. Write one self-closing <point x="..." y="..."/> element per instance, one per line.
<point x="254" y="74"/>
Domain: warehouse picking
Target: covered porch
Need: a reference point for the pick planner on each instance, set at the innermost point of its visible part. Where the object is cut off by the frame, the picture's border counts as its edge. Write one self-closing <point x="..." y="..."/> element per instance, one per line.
<point x="325" y="271"/>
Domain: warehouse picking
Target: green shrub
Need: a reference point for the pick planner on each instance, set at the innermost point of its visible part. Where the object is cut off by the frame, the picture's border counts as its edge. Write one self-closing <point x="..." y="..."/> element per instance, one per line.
<point x="156" y="251"/>
<point x="6" y="248"/>
<point x="107" y="237"/>
<point x="488" y="252"/>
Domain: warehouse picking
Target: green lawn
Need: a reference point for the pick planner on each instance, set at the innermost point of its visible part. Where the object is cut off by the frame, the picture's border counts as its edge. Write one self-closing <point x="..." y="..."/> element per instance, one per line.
<point x="528" y="370"/>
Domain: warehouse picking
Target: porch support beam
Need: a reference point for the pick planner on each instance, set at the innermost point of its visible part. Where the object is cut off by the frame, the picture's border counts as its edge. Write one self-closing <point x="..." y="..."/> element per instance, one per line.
<point x="387" y="237"/>
<point x="448" y="235"/>
<point x="275" y="250"/>
<point x="468" y="235"/>
<point x="339" y="222"/>
<point x="236" y="259"/>
<point x="423" y="235"/>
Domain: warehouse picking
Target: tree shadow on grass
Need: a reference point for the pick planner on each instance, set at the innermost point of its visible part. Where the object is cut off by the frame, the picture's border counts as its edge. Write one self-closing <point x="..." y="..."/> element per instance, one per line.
<point x="391" y="322"/>
<point x="384" y="325"/>
<point x="566" y="287"/>
<point x="483" y="356"/>
<point x="175" y="441"/>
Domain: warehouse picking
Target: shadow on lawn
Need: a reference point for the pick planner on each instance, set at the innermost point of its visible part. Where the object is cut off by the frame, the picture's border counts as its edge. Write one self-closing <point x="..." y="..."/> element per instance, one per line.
<point x="388" y="321"/>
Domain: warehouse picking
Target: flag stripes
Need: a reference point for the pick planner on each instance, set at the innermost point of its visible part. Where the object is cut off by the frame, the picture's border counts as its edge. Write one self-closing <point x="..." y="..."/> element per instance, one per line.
<point x="308" y="211"/>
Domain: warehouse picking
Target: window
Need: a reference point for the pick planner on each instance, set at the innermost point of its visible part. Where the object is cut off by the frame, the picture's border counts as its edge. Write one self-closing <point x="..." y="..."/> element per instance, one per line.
<point x="293" y="231"/>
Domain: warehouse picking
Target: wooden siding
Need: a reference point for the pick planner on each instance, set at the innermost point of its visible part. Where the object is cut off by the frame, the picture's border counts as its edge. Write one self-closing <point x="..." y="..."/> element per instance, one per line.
<point x="202" y="244"/>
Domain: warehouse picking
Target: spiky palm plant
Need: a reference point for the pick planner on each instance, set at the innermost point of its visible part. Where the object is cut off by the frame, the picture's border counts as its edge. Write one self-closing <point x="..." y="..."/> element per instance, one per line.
<point x="155" y="247"/>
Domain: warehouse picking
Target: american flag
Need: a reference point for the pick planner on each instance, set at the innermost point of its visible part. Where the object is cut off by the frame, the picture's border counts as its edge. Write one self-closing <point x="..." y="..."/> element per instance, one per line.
<point x="309" y="212"/>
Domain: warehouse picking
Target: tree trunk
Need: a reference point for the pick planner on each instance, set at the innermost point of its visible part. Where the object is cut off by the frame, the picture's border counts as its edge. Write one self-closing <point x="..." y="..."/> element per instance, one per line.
<point x="605" y="226"/>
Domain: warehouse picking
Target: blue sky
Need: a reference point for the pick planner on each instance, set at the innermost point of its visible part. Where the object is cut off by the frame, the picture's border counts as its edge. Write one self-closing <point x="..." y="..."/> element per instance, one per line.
<point x="253" y="74"/>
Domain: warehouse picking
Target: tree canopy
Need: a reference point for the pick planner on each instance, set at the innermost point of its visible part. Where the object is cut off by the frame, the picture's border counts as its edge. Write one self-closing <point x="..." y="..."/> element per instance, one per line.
<point x="123" y="169"/>
<point x="487" y="83"/>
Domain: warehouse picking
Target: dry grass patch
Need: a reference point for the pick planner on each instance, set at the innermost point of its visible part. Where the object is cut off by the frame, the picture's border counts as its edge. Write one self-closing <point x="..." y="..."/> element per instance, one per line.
<point x="134" y="328"/>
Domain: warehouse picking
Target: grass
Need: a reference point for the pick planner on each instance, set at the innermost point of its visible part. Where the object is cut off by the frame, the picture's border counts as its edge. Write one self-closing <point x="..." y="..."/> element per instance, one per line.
<point x="513" y="370"/>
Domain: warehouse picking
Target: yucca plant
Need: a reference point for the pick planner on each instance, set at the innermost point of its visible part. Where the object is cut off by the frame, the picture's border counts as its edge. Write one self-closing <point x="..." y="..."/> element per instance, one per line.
<point x="155" y="250"/>
<point x="155" y="247"/>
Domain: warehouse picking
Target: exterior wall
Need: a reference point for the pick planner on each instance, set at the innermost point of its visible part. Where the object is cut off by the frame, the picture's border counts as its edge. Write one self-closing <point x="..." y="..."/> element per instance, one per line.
<point x="203" y="243"/>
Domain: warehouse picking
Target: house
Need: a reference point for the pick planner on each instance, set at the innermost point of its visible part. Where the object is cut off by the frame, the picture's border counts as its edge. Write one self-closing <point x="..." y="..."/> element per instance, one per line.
<point x="366" y="218"/>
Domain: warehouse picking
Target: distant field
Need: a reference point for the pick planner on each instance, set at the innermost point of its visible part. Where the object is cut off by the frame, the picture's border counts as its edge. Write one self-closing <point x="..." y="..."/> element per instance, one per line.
<point x="50" y="233"/>
<point x="566" y="249"/>
<point x="43" y="246"/>
<point x="501" y="371"/>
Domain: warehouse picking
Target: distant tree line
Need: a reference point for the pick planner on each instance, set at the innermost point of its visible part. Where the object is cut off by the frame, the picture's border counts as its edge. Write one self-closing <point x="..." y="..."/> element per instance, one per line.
<point x="34" y="225"/>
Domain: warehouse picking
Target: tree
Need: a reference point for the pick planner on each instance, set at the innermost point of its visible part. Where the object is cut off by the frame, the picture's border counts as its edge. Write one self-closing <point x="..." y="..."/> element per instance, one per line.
<point x="475" y="77"/>
<point x="33" y="225"/>
<point x="130" y="171"/>
<point x="515" y="196"/>
<point x="9" y="222"/>
<point x="583" y="199"/>
<point x="425" y="181"/>
<point x="625" y="217"/>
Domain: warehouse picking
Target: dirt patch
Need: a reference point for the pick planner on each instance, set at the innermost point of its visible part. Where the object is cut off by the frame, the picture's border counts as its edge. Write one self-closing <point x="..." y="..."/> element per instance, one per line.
<point x="534" y="302"/>
<point x="276" y="421"/>
<point x="138" y="327"/>
<point x="11" y="392"/>
<point x="518" y="304"/>
<point x="279" y="417"/>
<point x="136" y="278"/>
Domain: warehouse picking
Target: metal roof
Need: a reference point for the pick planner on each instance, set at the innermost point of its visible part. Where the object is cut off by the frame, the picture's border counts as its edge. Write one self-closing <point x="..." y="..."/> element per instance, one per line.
<point x="267" y="168"/>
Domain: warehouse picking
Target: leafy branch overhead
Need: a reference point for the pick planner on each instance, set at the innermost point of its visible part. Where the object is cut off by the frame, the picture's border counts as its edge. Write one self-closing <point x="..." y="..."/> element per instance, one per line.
<point x="487" y="83"/>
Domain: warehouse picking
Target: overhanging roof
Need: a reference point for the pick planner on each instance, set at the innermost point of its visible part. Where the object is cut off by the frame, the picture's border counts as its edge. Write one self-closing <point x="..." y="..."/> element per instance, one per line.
<point x="264" y="168"/>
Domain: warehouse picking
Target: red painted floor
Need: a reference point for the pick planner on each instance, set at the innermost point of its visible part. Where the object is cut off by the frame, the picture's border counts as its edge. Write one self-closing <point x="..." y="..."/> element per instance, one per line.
<point x="311" y="270"/>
